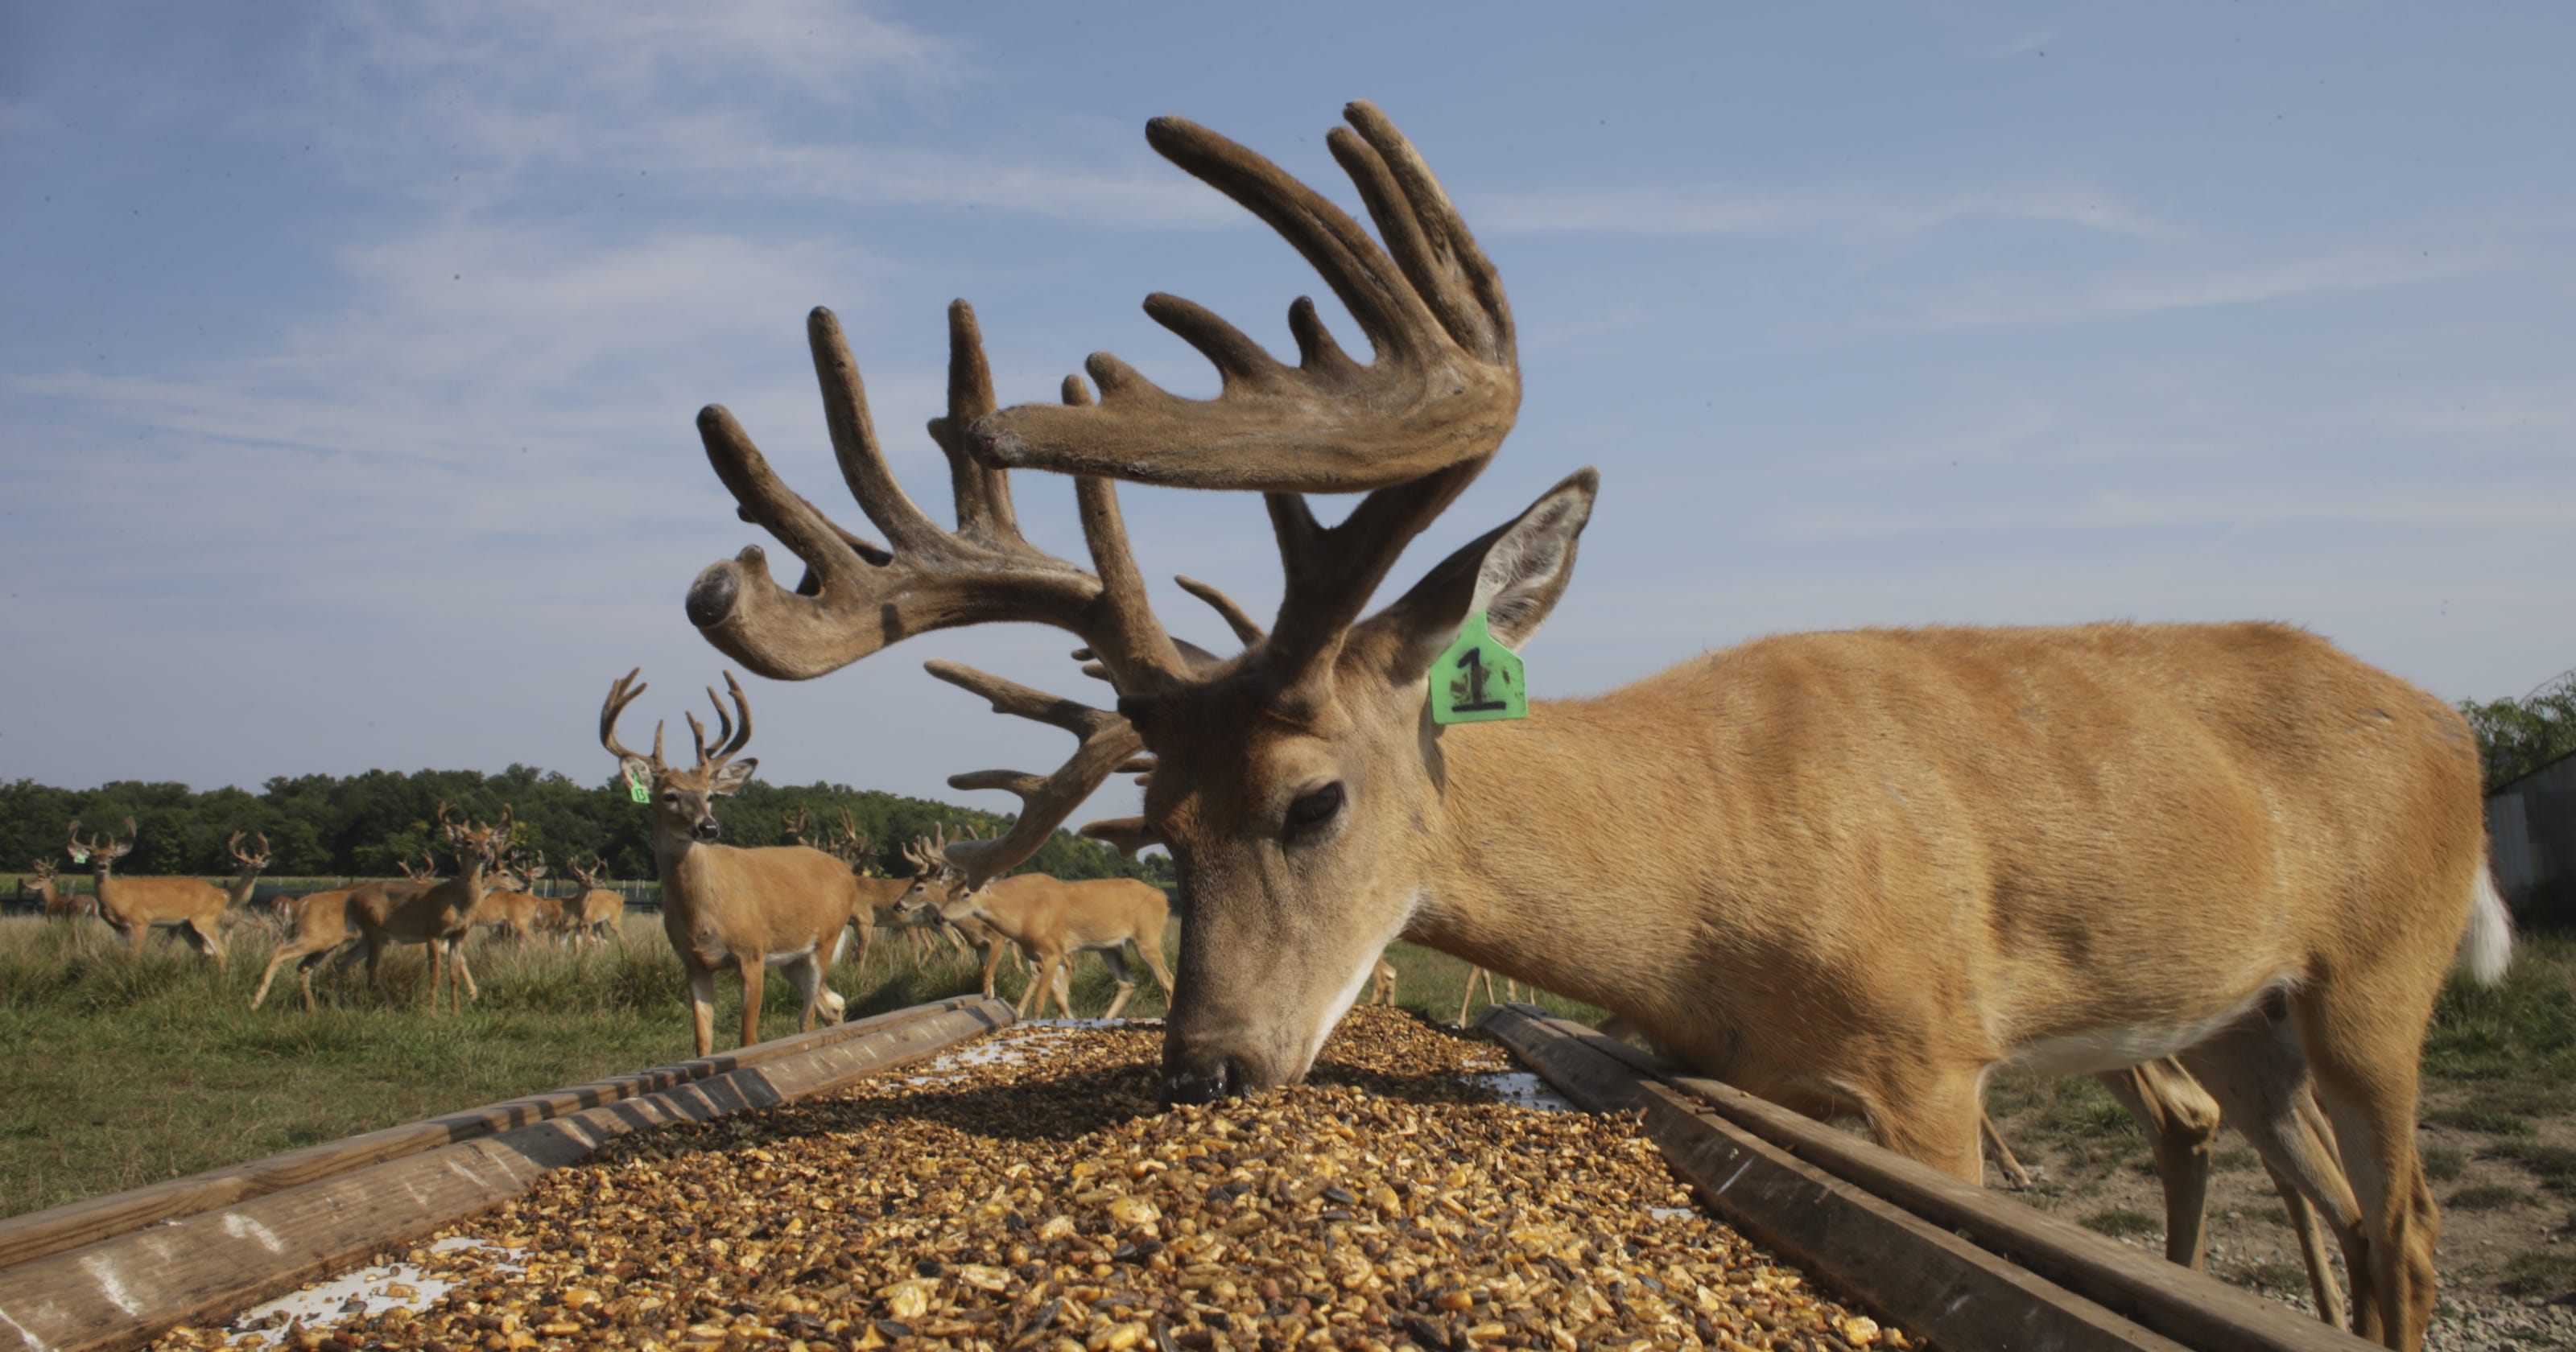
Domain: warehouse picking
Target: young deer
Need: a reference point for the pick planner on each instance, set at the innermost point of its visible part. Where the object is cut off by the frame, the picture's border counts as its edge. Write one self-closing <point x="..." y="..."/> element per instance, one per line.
<point x="58" y="905"/>
<point x="1050" y="920"/>
<point x="787" y="906"/>
<point x="135" y="907"/>
<point x="1858" y="871"/>
<point x="317" y="926"/>
<point x="596" y="914"/>
<point x="512" y="906"/>
<point x="438" y="914"/>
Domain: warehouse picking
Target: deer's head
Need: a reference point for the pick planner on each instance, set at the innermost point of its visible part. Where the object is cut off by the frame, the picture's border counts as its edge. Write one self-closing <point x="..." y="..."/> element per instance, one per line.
<point x="478" y="846"/>
<point x="1299" y="783"/>
<point x="684" y="801"/>
<point x="250" y="863"/>
<point x="939" y="890"/>
<point x="102" y="852"/>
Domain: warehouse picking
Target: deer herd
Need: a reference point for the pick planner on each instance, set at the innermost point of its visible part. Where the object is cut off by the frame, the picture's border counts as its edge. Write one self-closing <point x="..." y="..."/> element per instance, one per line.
<point x="2225" y="867"/>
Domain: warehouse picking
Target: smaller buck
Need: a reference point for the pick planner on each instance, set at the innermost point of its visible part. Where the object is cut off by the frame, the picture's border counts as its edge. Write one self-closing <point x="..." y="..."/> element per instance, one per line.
<point x="512" y="906"/>
<point x="1049" y="919"/>
<point x="437" y="914"/>
<point x="786" y="906"/>
<point x="595" y="914"/>
<point x="135" y="907"/>
<point x="58" y="905"/>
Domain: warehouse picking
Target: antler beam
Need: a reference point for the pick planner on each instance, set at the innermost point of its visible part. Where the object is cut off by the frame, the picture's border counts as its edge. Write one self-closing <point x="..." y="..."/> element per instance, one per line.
<point x="1108" y="744"/>
<point x="1441" y="391"/>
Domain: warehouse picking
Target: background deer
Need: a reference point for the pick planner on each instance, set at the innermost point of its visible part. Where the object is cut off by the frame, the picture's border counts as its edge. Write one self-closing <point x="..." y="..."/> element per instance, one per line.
<point x="595" y="914"/>
<point x="58" y="905"/>
<point x="317" y="926"/>
<point x="1857" y="871"/>
<point x="438" y="914"/>
<point x="1051" y="920"/>
<point x="134" y="907"/>
<point x="511" y="906"/>
<point x="786" y="906"/>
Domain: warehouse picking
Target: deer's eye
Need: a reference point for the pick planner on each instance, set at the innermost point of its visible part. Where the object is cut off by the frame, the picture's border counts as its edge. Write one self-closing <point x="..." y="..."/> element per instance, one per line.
<point x="1312" y="810"/>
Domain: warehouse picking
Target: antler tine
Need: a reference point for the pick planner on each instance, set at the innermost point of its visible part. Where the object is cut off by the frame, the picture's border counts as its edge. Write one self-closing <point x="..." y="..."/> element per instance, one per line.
<point x="1442" y="390"/>
<point x="1107" y="742"/>
<point x="742" y="706"/>
<point x="1330" y="573"/>
<point x="622" y="692"/>
<point x="858" y="599"/>
<point x="1247" y="631"/>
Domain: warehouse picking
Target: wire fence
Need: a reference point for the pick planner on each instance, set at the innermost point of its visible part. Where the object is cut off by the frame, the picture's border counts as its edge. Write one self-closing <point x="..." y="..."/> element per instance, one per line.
<point x="18" y="895"/>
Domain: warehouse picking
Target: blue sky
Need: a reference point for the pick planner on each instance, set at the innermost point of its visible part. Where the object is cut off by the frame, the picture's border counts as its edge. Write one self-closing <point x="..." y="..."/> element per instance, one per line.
<point x="348" y="356"/>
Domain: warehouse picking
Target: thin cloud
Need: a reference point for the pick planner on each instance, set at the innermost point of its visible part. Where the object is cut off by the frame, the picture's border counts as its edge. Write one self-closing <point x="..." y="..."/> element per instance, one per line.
<point x="1715" y="210"/>
<point x="1999" y="303"/>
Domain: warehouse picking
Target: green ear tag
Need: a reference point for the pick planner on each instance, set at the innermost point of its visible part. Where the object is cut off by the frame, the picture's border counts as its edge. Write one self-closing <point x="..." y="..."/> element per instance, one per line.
<point x="80" y="856"/>
<point x="1478" y="680"/>
<point x="635" y="789"/>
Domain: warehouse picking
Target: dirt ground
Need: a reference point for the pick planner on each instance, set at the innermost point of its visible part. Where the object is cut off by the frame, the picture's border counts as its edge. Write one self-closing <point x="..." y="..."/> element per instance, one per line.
<point x="2501" y="1155"/>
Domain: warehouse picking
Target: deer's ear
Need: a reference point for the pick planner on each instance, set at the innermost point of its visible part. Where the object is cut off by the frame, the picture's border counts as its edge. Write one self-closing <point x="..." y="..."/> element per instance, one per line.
<point x="734" y="775"/>
<point x="637" y="770"/>
<point x="1513" y="574"/>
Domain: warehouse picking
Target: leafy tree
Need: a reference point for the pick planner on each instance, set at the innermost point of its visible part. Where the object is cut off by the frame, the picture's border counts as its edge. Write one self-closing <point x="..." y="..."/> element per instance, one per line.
<point x="360" y="825"/>
<point x="2518" y="736"/>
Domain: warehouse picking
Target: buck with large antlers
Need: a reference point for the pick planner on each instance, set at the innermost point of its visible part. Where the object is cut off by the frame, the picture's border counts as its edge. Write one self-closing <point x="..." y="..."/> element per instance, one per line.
<point x="1855" y="871"/>
<point x="786" y="906"/>
<point x="135" y="907"/>
<point x="1051" y="920"/>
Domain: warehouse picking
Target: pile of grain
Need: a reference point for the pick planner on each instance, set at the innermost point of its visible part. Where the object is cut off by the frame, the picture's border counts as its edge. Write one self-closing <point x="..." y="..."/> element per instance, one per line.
<point x="1047" y="1202"/>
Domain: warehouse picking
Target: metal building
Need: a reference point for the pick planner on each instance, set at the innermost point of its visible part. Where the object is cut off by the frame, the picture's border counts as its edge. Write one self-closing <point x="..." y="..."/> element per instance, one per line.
<point x="2531" y="832"/>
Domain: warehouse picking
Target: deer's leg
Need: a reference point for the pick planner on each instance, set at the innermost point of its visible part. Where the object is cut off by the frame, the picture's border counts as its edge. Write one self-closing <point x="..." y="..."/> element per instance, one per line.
<point x="285" y="954"/>
<point x="1037" y="984"/>
<point x="806" y="975"/>
<point x="1062" y="985"/>
<point x="1932" y="1119"/>
<point x="2258" y="1071"/>
<point x="2181" y="1121"/>
<point x="1470" y="1002"/>
<point x="702" y="1008"/>
<point x="755" y="974"/>
<point x="1126" y="979"/>
<point x="1153" y="955"/>
<point x="134" y="937"/>
<point x="2312" y="1249"/>
<point x="2015" y="1177"/>
<point x="465" y="974"/>
<point x="994" y="946"/>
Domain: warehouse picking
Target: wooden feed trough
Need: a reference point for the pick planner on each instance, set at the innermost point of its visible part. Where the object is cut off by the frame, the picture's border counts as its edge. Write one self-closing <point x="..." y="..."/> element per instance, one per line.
<point x="964" y="1205"/>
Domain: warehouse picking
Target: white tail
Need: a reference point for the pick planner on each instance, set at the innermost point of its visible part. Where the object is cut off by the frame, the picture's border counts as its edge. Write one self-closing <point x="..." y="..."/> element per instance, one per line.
<point x="2486" y="947"/>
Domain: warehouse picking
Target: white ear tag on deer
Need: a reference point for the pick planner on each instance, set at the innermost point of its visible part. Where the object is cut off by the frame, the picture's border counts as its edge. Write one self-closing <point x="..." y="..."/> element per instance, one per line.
<point x="635" y="789"/>
<point x="1477" y="679"/>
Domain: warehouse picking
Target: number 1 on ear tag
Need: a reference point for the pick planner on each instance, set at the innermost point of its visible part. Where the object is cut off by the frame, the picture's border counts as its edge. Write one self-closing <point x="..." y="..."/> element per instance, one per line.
<point x="1478" y="680"/>
<point x="80" y="856"/>
<point x="635" y="789"/>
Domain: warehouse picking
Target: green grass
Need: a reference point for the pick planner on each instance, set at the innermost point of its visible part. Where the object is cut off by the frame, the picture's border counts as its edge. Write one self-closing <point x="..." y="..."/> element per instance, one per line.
<point x="125" y="1073"/>
<point x="2123" y="1224"/>
<point x="2541" y="1272"/>
<point x="2442" y="1163"/>
<point x="2522" y="1032"/>
<point x="2489" y="1197"/>
<point x="2553" y="1165"/>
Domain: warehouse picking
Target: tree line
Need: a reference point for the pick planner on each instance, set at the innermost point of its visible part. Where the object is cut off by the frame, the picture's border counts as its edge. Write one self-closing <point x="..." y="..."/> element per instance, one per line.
<point x="358" y="826"/>
<point x="2518" y="736"/>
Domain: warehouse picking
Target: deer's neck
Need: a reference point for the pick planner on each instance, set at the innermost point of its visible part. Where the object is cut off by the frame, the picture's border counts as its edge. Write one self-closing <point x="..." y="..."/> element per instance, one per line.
<point x="239" y="893"/>
<point x="1575" y="850"/>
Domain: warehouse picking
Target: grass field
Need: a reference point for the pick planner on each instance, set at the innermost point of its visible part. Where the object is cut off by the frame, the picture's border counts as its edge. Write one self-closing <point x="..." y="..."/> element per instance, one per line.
<point x="127" y="1073"/>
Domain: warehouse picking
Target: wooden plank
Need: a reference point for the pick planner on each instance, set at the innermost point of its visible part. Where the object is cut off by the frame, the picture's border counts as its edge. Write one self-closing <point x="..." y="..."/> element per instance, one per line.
<point x="2189" y="1307"/>
<point x="73" y="1224"/>
<point x="1907" y="1271"/>
<point x="124" y="1291"/>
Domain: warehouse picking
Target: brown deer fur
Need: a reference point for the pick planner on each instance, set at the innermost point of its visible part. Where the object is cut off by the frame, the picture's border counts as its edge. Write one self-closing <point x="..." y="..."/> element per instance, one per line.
<point x="1855" y="872"/>
<point x="437" y="914"/>
<point x="134" y="907"/>
<point x="1052" y="920"/>
<point x="317" y="925"/>
<point x="723" y="907"/>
